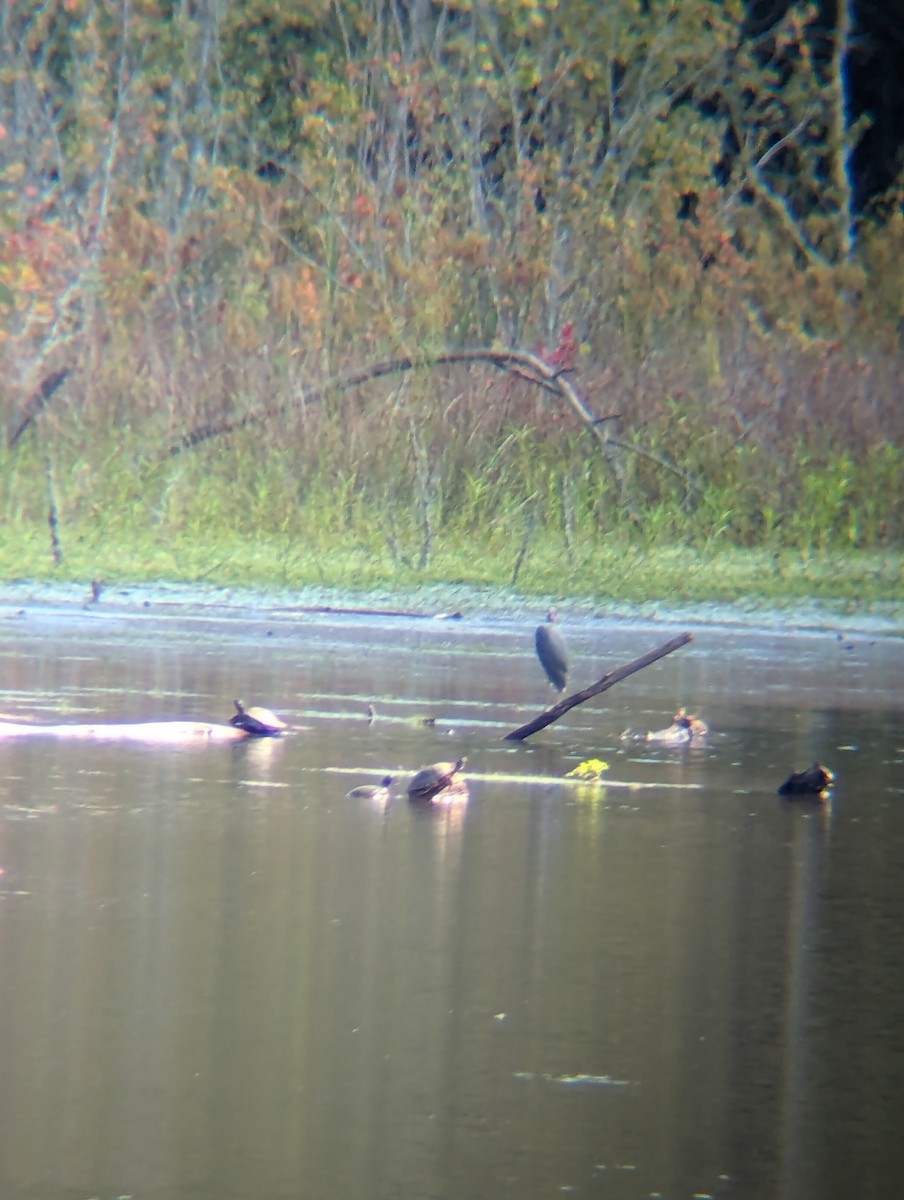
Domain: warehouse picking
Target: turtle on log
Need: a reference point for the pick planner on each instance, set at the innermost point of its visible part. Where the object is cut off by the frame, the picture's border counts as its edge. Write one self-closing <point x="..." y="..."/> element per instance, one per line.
<point x="437" y="778"/>
<point x="257" y="721"/>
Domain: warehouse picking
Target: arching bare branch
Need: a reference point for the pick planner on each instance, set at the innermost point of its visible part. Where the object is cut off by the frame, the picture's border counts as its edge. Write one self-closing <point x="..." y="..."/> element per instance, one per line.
<point x="527" y="366"/>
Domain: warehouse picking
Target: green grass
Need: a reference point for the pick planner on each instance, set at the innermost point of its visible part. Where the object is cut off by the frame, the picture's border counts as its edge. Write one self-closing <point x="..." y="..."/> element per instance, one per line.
<point x="613" y="572"/>
<point x="449" y="488"/>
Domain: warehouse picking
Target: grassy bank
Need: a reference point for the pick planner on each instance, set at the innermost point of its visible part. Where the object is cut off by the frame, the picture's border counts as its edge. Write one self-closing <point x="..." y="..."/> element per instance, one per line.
<point x="619" y="573"/>
<point x="457" y="477"/>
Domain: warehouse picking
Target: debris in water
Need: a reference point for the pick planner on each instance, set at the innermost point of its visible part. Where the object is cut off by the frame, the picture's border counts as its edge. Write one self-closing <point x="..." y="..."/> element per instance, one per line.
<point x="590" y="769"/>
<point x="574" y="1080"/>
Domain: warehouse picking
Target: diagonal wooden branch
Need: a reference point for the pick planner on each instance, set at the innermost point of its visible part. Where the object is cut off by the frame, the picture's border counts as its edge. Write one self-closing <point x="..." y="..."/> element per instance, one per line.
<point x="595" y="689"/>
<point x="522" y="364"/>
<point x="35" y="404"/>
<point x="525" y="365"/>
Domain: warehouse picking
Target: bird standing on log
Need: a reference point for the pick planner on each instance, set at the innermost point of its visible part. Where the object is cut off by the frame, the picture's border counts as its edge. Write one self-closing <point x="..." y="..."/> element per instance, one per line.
<point x="551" y="651"/>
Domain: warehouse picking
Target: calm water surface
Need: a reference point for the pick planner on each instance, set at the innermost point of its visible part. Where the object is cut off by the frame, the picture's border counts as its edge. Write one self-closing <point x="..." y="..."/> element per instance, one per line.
<point x="220" y="978"/>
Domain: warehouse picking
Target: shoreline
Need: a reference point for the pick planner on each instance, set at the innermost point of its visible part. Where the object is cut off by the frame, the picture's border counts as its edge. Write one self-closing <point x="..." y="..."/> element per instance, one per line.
<point x="69" y="600"/>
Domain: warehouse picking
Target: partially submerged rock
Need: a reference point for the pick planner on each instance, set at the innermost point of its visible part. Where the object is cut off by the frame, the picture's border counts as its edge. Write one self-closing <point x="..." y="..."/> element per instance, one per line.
<point x="816" y="780"/>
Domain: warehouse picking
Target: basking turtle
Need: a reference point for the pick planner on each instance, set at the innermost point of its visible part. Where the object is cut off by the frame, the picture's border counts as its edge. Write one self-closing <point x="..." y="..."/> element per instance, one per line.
<point x="683" y="730"/>
<point x="432" y="780"/>
<point x="694" y="725"/>
<point x="259" y="722"/>
<point x="815" y="781"/>
<point x="551" y="651"/>
<point x="379" y="793"/>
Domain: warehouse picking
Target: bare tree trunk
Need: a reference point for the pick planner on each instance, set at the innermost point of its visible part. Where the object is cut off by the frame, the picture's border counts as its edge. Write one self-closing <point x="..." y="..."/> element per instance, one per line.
<point x="842" y="144"/>
<point x="53" y="512"/>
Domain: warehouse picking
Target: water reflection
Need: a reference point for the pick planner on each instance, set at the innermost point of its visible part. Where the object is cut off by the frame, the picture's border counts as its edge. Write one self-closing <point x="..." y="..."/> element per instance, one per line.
<point x="222" y="977"/>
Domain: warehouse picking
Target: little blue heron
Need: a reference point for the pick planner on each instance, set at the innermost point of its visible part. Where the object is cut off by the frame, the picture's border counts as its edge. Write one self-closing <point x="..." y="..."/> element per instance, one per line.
<point x="551" y="651"/>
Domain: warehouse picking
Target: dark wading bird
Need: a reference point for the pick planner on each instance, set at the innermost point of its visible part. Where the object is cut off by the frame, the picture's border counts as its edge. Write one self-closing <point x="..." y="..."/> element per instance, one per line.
<point x="551" y="651"/>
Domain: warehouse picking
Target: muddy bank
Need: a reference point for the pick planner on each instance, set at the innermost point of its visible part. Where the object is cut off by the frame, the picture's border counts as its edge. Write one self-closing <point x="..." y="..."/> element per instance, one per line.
<point x="62" y="602"/>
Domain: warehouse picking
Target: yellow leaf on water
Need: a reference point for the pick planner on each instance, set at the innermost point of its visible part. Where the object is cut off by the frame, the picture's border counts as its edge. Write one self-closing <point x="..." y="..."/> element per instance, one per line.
<point x="590" y="768"/>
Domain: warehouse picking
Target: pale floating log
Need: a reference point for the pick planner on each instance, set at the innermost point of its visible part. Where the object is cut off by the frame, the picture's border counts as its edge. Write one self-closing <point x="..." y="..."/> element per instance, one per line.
<point x="155" y="733"/>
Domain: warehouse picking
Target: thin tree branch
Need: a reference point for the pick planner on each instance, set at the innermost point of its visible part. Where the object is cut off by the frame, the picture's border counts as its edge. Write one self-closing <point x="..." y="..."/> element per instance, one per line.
<point x="36" y="403"/>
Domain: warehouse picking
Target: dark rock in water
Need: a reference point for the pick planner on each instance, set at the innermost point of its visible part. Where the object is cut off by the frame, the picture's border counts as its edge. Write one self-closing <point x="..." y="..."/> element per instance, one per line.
<point x="815" y="781"/>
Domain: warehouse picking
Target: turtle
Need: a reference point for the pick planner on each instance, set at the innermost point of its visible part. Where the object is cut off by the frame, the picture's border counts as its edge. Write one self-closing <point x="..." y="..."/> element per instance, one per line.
<point x="259" y="722"/>
<point x="379" y="793"/>
<point x="432" y="780"/>
<point x="427" y="722"/>
<point x="693" y="724"/>
<point x="551" y="651"/>
<point x="677" y="734"/>
<point x="684" y="729"/>
<point x="814" y="781"/>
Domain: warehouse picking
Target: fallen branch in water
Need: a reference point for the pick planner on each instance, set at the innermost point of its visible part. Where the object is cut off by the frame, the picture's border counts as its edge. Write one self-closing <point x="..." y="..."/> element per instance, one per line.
<point x="333" y="610"/>
<point x="154" y="733"/>
<point x="601" y="685"/>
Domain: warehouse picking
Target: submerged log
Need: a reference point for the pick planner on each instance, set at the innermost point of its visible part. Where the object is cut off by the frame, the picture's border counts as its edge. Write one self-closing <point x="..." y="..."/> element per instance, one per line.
<point x="595" y="689"/>
<point x="332" y="609"/>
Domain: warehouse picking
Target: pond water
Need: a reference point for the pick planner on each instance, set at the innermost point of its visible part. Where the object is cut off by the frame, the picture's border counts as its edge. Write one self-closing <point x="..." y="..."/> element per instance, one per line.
<point x="221" y="978"/>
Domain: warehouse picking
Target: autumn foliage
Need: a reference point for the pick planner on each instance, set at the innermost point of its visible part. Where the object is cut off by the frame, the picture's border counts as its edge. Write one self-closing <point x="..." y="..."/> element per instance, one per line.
<point x="205" y="212"/>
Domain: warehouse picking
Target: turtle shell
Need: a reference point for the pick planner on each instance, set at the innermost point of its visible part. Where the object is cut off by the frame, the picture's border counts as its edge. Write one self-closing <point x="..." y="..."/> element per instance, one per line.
<point x="370" y="791"/>
<point x="257" y="721"/>
<point x="430" y="781"/>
